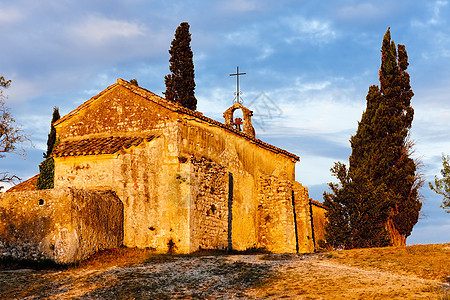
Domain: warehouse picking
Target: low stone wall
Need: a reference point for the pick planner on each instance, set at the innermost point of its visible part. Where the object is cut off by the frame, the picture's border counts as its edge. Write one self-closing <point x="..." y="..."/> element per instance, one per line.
<point x="65" y="225"/>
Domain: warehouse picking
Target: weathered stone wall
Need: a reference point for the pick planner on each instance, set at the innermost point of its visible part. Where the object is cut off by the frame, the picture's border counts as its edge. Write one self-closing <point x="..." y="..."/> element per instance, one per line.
<point x="65" y="225"/>
<point x="124" y="113"/>
<point x="209" y="215"/>
<point x="319" y="220"/>
<point x="303" y="216"/>
<point x="152" y="184"/>
<point x="232" y="150"/>
<point x="245" y="161"/>
<point x="146" y="178"/>
<point x="276" y="227"/>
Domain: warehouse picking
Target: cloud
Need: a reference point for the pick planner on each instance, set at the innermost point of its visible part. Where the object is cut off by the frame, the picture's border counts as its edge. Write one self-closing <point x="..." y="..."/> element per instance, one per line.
<point x="265" y="52"/>
<point x="22" y="90"/>
<point x="314" y="31"/>
<point x="430" y="134"/>
<point x="240" y="6"/>
<point x="304" y="86"/>
<point x="312" y="170"/>
<point x="248" y="36"/>
<point x="435" y="15"/>
<point x="10" y="14"/>
<point x="318" y="107"/>
<point x="96" y="30"/>
<point x="277" y="35"/>
<point x="361" y="11"/>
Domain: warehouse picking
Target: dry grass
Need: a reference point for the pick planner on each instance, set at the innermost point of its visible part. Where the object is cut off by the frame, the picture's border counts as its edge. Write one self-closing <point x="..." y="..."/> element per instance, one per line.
<point x="425" y="261"/>
<point x="414" y="272"/>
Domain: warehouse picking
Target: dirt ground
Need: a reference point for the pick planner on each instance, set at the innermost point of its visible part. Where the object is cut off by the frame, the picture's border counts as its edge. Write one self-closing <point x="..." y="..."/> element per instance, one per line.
<point x="414" y="272"/>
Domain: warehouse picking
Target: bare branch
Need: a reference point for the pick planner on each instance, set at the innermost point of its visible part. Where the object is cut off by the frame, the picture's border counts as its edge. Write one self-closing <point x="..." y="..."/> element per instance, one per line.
<point x="6" y="177"/>
<point x="11" y="135"/>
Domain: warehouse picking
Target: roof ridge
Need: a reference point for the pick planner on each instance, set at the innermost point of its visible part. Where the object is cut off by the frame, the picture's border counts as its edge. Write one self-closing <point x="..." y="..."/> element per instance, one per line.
<point x="85" y="104"/>
<point x="175" y="107"/>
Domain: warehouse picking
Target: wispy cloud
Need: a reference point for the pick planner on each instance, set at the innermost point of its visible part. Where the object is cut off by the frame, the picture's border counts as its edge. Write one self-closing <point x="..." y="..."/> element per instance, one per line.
<point x="10" y="14"/>
<point x="435" y="15"/>
<point x="98" y="30"/>
<point x="249" y="36"/>
<point x="362" y="11"/>
<point x="277" y="35"/>
<point x="241" y="6"/>
<point x="311" y="30"/>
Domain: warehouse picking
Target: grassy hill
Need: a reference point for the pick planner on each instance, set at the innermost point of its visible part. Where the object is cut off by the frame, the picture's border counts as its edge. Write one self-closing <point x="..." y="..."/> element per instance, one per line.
<point x="412" y="272"/>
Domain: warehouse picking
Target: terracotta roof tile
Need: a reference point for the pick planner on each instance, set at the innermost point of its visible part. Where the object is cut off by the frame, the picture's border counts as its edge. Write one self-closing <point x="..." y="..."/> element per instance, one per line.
<point x="98" y="146"/>
<point x="27" y="185"/>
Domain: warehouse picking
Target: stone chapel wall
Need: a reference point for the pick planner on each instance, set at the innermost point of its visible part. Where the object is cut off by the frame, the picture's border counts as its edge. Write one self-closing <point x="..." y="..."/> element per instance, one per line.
<point x="65" y="225"/>
<point x="303" y="216"/>
<point x="209" y="216"/>
<point x="319" y="219"/>
<point x="165" y="198"/>
<point x="275" y="215"/>
<point x="156" y="199"/>
<point x="246" y="162"/>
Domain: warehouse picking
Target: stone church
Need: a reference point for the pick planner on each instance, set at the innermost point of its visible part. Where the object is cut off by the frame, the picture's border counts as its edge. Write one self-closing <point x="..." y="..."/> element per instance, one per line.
<point x="145" y="172"/>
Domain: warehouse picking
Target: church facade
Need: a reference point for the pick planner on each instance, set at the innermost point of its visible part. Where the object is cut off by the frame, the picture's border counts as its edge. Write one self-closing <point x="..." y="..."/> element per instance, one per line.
<point x="187" y="182"/>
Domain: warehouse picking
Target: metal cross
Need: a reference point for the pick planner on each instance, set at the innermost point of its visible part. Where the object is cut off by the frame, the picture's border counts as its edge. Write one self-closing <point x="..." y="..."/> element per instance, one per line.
<point x="238" y="93"/>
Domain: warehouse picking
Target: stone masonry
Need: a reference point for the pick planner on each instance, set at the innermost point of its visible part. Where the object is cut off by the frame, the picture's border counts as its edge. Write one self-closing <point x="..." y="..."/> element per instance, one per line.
<point x="209" y="221"/>
<point x="65" y="225"/>
<point x="186" y="182"/>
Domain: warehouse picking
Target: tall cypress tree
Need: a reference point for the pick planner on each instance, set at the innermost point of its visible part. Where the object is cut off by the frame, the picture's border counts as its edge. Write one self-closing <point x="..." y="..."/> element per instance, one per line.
<point x="51" y="140"/>
<point x="180" y="84"/>
<point x="47" y="167"/>
<point x="379" y="192"/>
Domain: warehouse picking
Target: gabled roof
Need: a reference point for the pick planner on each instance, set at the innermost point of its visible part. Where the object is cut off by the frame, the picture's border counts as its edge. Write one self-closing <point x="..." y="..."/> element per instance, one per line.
<point x="175" y="107"/>
<point x="27" y="185"/>
<point x="97" y="146"/>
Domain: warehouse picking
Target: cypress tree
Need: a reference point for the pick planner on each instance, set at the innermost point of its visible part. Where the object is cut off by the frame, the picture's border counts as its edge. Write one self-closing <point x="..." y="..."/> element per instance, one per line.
<point x="442" y="185"/>
<point x="47" y="167"/>
<point x="379" y="192"/>
<point x="180" y="84"/>
<point x="51" y="140"/>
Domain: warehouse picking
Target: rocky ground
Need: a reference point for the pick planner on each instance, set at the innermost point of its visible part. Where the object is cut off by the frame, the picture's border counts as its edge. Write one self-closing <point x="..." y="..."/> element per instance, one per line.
<point x="416" y="272"/>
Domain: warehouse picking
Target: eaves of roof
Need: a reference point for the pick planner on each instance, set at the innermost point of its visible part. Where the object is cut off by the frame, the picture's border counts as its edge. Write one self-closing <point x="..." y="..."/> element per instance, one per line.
<point x="97" y="146"/>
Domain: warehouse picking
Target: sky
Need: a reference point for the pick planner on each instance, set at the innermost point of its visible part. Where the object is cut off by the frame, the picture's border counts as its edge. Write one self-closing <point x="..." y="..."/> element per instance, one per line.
<point x="308" y="65"/>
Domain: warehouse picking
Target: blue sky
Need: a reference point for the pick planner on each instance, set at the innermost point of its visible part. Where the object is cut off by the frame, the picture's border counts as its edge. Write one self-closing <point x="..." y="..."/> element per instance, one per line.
<point x="309" y="65"/>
